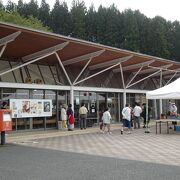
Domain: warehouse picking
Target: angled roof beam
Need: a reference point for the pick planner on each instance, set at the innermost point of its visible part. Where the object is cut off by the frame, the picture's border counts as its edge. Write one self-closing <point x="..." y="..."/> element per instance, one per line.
<point x="9" y="38"/>
<point x="97" y="73"/>
<point x="83" y="57"/>
<point x="109" y="63"/>
<point x="25" y="64"/>
<point x="134" y="76"/>
<point x="134" y="66"/>
<point x="64" y="70"/>
<point x="44" y="52"/>
<point x="164" y="67"/>
<point x="143" y="79"/>
<point x="2" y="50"/>
<point x="82" y="70"/>
<point x="170" y="71"/>
<point x="152" y="69"/>
<point x="171" y="78"/>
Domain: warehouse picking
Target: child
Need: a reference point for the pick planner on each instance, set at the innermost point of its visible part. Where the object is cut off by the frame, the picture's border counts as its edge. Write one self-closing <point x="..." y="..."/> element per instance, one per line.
<point x="106" y="120"/>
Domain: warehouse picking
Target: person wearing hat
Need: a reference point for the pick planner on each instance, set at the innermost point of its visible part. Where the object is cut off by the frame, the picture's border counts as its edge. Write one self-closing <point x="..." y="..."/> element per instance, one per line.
<point x="173" y="109"/>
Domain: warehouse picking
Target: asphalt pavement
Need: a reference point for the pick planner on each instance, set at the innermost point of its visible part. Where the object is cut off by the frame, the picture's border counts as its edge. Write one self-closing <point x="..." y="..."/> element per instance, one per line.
<point x="91" y="155"/>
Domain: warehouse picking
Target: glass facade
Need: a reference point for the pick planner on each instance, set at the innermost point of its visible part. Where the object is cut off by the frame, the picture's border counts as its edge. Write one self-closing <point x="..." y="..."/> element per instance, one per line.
<point x="96" y="103"/>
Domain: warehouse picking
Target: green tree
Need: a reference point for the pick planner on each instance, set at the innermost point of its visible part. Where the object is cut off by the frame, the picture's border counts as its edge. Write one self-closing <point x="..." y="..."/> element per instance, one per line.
<point x="21" y="8"/>
<point x="60" y="18"/>
<point x="78" y="15"/>
<point x="111" y="30"/>
<point x="15" y="18"/>
<point x="158" y="38"/>
<point x="174" y="40"/>
<point x="91" y="24"/>
<point x="101" y="24"/>
<point x="10" y="6"/>
<point x="44" y="13"/>
<point x="30" y="9"/>
<point x="1" y="5"/>
<point x="131" y="36"/>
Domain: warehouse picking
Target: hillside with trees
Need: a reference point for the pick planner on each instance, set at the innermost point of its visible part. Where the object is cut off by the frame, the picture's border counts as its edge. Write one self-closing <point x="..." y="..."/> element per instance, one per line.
<point x="129" y="29"/>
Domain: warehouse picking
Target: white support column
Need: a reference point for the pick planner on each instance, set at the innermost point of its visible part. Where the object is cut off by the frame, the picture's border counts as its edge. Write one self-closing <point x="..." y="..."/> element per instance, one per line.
<point x="122" y="76"/>
<point x="155" y="109"/>
<point x="124" y="99"/>
<point x="72" y="97"/>
<point x="160" y="101"/>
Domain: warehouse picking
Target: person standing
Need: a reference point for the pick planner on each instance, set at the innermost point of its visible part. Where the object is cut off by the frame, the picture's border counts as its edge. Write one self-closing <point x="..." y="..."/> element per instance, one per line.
<point x="64" y="117"/>
<point x="70" y="115"/>
<point x="126" y="113"/>
<point x="143" y="114"/>
<point x="83" y="116"/>
<point x="173" y="110"/>
<point x="137" y="115"/>
<point x="106" y="120"/>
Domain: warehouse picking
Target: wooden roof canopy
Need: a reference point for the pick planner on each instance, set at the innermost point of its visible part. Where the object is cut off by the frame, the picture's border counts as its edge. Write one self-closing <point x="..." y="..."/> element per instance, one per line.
<point x="30" y="41"/>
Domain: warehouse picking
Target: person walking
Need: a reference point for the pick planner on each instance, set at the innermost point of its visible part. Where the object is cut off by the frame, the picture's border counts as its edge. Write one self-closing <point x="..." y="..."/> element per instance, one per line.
<point x="71" y="120"/>
<point x="83" y="116"/>
<point x="106" y="120"/>
<point x="126" y="113"/>
<point x="137" y="115"/>
<point x="64" y="117"/>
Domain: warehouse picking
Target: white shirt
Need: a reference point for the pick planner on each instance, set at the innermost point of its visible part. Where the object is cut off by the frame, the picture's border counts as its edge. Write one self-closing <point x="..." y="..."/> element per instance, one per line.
<point x="106" y="117"/>
<point x="83" y="110"/>
<point x="126" y="112"/>
<point x="137" y="111"/>
<point x="173" y="108"/>
<point x="63" y="114"/>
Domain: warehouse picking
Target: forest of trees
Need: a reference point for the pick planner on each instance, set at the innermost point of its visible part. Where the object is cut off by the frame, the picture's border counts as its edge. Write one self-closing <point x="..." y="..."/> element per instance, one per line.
<point x="129" y="29"/>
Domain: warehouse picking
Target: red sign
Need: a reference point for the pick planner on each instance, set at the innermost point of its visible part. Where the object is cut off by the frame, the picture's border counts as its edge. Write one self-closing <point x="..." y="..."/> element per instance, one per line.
<point x="5" y="120"/>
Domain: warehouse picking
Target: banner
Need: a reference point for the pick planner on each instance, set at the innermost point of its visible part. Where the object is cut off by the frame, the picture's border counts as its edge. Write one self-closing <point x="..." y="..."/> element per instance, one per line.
<point x="24" y="108"/>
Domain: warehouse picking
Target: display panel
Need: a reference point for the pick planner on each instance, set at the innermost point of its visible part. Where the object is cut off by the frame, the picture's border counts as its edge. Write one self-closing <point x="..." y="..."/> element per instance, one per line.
<point x="23" y="108"/>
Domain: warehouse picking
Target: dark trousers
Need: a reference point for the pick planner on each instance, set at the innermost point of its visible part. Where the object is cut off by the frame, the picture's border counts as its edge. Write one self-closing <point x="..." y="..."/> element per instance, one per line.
<point x="83" y="121"/>
<point x="136" y="121"/>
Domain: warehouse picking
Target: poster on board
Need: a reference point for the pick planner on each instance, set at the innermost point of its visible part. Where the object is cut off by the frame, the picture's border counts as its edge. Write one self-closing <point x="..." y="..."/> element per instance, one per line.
<point x="24" y="108"/>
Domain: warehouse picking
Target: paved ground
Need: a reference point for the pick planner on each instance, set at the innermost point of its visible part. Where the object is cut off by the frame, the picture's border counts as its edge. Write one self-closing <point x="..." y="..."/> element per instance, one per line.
<point x="92" y="155"/>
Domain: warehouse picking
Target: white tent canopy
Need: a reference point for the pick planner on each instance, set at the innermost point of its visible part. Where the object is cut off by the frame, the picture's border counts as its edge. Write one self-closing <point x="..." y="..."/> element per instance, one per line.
<point x="170" y="91"/>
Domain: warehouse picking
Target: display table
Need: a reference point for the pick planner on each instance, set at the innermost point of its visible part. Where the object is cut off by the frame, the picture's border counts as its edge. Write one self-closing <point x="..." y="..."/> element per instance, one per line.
<point x="160" y="121"/>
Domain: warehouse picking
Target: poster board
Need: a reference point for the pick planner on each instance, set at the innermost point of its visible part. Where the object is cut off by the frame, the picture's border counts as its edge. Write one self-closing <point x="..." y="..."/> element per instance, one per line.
<point x="24" y="108"/>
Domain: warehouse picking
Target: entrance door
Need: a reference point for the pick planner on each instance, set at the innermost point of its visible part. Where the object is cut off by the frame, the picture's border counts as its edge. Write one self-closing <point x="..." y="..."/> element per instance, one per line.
<point x="101" y="105"/>
<point x="90" y="101"/>
<point x="112" y="103"/>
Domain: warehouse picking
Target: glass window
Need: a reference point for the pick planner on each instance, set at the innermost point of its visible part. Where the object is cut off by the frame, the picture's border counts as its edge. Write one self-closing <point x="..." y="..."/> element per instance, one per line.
<point x="51" y="121"/>
<point x="37" y="94"/>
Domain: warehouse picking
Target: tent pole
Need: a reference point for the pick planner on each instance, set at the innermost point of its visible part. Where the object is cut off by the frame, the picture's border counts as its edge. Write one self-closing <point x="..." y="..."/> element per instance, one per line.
<point x="147" y="128"/>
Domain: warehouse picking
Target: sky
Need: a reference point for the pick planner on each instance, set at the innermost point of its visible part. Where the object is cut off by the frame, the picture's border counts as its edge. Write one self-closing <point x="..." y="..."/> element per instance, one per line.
<point x="169" y="9"/>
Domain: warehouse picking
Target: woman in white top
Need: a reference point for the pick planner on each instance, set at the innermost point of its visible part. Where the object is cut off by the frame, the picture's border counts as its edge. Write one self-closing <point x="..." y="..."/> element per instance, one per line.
<point x="126" y="113"/>
<point x="64" y="116"/>
<point x="106" y="120"/>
